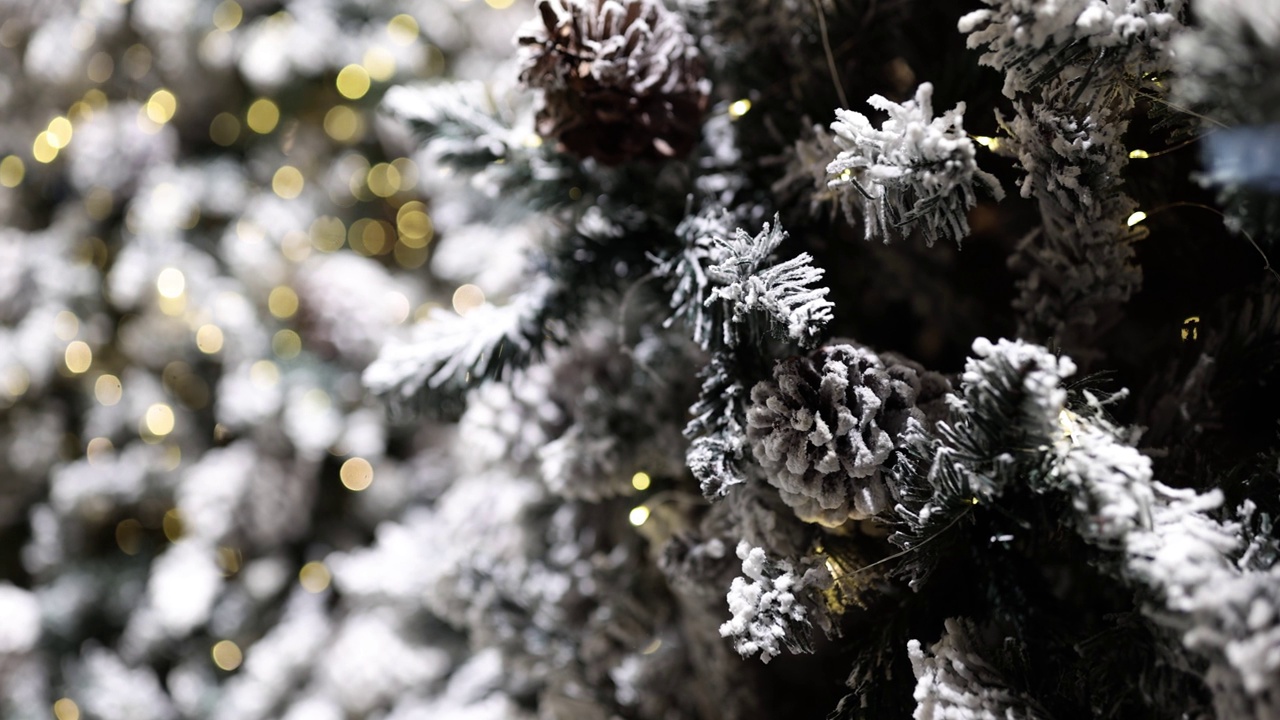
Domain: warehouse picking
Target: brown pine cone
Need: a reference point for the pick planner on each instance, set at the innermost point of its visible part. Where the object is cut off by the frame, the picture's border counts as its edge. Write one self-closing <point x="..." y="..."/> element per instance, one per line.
<point x="622" y="79"/>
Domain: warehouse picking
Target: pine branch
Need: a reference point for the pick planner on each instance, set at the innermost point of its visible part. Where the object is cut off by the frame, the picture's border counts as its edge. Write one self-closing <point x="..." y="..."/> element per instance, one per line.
<point x="465" y="129"/>
<point x="431" y="372"/>
<point x="915" y="170"/>
<point x="719" y="438"/>
<point x="781" y="294"/>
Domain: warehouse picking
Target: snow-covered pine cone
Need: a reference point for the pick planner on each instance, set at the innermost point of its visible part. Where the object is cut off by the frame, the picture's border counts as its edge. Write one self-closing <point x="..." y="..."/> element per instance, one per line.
<point x="622" y="79"/>
<point x="826" y="425"/>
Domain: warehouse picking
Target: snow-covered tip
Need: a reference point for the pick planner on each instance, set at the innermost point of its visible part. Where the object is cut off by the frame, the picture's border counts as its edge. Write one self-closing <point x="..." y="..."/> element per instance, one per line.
<point x="914" y="171"/>
<point x="767" y="616"/>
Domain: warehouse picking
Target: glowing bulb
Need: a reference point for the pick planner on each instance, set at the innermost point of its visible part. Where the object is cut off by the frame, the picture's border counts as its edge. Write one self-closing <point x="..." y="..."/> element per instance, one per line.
<point x="209" y="339"/>
<point x="640" y="481"/>
<point x="12" y="170"/>
<point x="353" y="82"/>
<point x="403" y="29"/>
<point x="356" y="474"/>
<point x="159" y="419"/>
<point x="314" y="577"/>
<point x="108" y="390"/>
<point x="287" y="182"/>
<point x="171" y="283"/>
<point x="1139" y="154"/>
<point x="227" y="655"/>
<point x="1136" y="218"/>
<point x="66" y="709"/>
<point x="738" y="108"/>
<point x="78" y="357"/>
<point x="638" y="515"/>
<point x="263" y="116"/>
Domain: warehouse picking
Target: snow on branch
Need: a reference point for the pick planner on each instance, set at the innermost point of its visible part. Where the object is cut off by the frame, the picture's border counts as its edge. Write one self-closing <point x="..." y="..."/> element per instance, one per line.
<point x="767" y="616"/>
<point x="748" y="283"/>
<point x="719" y="439"/>
<point x="724" y="278"/>
<point x="914" y="170"/>
<point x="464" y="127"/>
<point x="954" y="682"/>
<point x="450" y="352"/>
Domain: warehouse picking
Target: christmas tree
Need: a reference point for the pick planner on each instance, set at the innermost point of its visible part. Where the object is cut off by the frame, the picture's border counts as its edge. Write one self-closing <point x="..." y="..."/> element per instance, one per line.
<point x="647" y="359"/>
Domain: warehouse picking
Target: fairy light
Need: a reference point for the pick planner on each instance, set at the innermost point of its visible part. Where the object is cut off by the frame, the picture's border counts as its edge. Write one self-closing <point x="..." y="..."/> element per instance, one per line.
<point x="383" y="180"/>
<point x="1191" y="328"/>
<point x="172" y="525"/>
<point x="59" y="132"/>
<point x="738" y="108"/>
<point x="161" y="107"/>
<point x="78" y="357"/>
<point x="1139" y="154"/>
<point x="403" y="29"/>
<point x="1136" y="218"/>
<point x="414" y="225"/>
<point x="264" y="374"/>
<point x="282" y="302"/>
<point x="638" y="515"/>
<point x="66" y="709"/>
<point x="43" y="149"/>
<point x="286" y="344"/>
<point x="640" y="481"/>
<point x="467" y="298"/>
<point x="356" y="474"/>
<point x="987" y="142"/>
<point x="159" y="419"/>
<point x="353" y="82"/>
<point x="66" y="325"/>
<point x="287" y="182"/>
<point x="108" y="390"/>
<point x="262" y="116"/>
<point x="379" y="63"/>
<point x="343" y="123"/>
<point x="314" y="577"/>
<point x="224" y="129"/>
<point x="209" y="339"/>
<point x="97" y="450"/>
<point x="227" y="655"/>
<point x="12" y="171"/>
<point x="171" y="283"/>
<point x="227" y="16"/>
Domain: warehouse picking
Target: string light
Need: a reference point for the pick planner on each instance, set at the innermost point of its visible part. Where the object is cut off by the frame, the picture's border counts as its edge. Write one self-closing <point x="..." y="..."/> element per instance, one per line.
<point x="287" y="182"/>
<point x="640" y="481"/>
<point x="638" y="515"/>
<point x="227" y="655"/>
<point x="353" y="82"/>
<point x="1139" y="154"/>
<point x="1191" y="328"/>
<point x="159" y="419"/>
<point x="262" y="116"/>
<point x="209" y="339"/>
<point x="314" y="577"/>
<point x="78" y="357"/>
<point x="1136" y="218"/>
<point x="108" y="390"/>
<point x="171" y="283"/>
<point x="12" y="170"/>
<point x="66" y="709"/>
<point x="738" y="108"/>
<point x="403" y="29"/>
<point x="172" y="525"/>
<point x="467" y="298"/>
<point x="282" y="302"/>
<point x="161" y="107"/>
<point x="227" y="16"/>
<point x="356" y="474"/>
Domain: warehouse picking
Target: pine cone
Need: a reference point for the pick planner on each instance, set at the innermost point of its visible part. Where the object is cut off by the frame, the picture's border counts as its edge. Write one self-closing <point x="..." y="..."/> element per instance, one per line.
<point x="622" y="78"/>
<point x="825" y="427"/>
